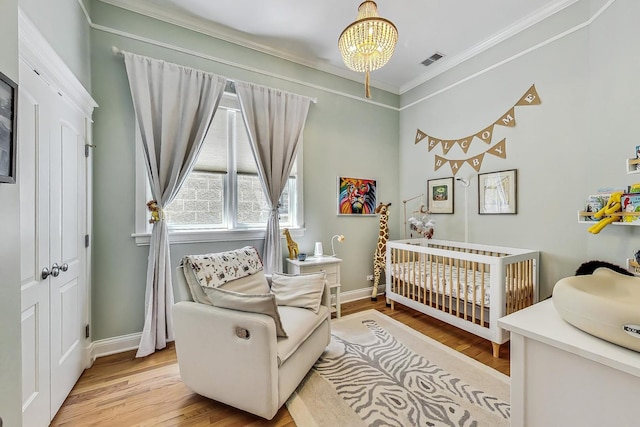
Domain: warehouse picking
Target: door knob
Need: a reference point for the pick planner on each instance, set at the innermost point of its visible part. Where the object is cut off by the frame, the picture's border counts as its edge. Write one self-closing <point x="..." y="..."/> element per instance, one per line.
<point x="64" y="267"/>
<point x="45" y="273"/>
<point x="55" y="270"/>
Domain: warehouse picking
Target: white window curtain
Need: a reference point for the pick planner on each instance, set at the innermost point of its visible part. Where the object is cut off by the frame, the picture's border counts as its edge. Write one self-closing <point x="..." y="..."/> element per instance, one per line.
<point x="174" y="106"/>
<point x="275" y="120"/>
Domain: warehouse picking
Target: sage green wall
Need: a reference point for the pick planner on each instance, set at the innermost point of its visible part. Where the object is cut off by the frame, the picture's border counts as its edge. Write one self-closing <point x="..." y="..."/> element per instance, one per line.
<point x="64" y="25"/>
<point x="10" y="366"/>
<point x="564" y="149"/>
<point x="343" y="136"/>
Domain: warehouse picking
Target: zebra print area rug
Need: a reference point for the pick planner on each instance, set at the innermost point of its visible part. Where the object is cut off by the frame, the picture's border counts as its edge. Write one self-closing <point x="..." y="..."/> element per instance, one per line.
<point x="378" y="372"/>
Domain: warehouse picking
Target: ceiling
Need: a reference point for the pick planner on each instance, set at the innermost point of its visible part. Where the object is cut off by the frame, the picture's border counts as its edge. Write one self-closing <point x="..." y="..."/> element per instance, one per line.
<point x="307" y="32"/>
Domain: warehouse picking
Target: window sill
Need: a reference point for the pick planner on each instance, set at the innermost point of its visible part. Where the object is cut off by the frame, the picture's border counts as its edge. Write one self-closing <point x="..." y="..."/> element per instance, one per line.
<point x="177" y="237"/>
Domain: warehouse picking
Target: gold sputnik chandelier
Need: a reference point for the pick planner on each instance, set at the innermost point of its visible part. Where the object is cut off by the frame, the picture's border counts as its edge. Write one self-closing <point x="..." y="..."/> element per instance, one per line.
<point x="368" y="43"/>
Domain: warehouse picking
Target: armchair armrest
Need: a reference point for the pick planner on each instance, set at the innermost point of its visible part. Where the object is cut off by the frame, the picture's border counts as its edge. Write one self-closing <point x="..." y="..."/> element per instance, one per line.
<point x="228" y="355"/>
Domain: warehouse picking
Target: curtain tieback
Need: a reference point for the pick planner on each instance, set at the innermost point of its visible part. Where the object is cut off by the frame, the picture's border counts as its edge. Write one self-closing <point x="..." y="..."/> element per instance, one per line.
<point x="157" y="214"/>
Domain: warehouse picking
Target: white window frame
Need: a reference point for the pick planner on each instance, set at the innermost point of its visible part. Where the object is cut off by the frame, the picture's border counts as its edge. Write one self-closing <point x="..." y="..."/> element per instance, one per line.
<point x="142" y="234"/>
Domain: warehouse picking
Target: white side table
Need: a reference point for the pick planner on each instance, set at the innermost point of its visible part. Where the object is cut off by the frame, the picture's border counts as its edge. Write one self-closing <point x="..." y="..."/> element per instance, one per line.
<point x="330" y="265"/>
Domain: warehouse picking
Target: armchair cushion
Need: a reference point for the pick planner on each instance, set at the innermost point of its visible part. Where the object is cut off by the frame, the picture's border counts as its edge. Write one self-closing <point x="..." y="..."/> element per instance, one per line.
<point x="301" y="290"/>
<point x="300" y="324"/>
<point x="252" y="303"/>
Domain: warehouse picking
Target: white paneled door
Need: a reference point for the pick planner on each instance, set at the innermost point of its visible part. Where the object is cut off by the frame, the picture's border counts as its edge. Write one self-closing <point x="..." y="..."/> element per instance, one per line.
<point x="52" y="179"/>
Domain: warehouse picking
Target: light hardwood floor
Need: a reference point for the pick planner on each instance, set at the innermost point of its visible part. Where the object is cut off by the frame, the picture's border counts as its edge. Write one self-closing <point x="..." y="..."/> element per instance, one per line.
<point x="123" y="391"/>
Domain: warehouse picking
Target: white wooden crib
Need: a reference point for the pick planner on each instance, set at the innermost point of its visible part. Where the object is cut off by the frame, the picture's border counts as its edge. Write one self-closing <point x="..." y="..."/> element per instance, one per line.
<point x="488" y="283"/>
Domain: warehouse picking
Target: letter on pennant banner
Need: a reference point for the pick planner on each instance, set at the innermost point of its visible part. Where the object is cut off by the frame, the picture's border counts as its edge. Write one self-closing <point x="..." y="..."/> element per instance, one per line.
<point x="485" y="134"/>
<point x="433" y="143"/>
<point x="530" y="98"/>
<point x="439" y="162"/>
<point x="455" y="165"/>
<point x="447" y="145"/>
<point x="500" y="149"/>
<point x="465" y="143"/>
<point x="476" y="161"/>
<point x="509" y="119"/>
<point x="420" y="136"/>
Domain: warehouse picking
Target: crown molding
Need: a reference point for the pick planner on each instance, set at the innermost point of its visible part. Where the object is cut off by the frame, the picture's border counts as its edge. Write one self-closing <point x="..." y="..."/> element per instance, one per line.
<point x="211" y="29"/>
<point x="36" y="52"/>
<point x="512" y="30"/>
<point x="238" y="38"/>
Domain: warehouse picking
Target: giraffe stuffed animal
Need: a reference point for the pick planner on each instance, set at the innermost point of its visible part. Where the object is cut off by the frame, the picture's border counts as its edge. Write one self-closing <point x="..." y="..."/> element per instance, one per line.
<point x="380" y="256"/>
<point x="293" y="246"/>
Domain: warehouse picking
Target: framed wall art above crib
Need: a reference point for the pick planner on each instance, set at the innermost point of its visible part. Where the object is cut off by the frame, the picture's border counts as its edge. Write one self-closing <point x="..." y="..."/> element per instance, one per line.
<point x="498" y="192"/>
<point x="440" y="195"/>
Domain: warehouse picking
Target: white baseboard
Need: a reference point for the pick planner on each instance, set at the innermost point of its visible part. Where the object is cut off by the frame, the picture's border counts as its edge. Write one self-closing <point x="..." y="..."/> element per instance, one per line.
<point x="114" y="345"/>
<point x="359" y="294"/>
<point x="109" y="346"/>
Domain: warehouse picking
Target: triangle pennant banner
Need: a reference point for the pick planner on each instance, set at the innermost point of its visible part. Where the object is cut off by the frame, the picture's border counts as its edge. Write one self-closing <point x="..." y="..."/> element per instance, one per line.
<point x="500" y="149"/>
<point x="440" y="161"/>
<point x="529" y="98"/>
<point x="465" y="143"/>
<point x="455" y="165"/>
<point x="433" y="142"/>
<point x="420" y="136"/>
<point x="476" y="161"/>
<point x="485" y="134"/>
<point x="509" y="118"/>
<point x="447" y="145"/>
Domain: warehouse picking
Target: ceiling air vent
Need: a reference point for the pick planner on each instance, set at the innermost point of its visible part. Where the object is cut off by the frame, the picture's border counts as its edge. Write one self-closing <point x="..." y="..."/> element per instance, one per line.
<point x="433" y="58"/>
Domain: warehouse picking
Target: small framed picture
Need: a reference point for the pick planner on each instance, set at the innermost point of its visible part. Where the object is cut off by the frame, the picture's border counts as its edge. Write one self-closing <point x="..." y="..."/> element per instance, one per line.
<point x="356" y="196"/>
<point x="498" y="192"/>
<point x="8" y="129"/>
<point x="440" y="196"/>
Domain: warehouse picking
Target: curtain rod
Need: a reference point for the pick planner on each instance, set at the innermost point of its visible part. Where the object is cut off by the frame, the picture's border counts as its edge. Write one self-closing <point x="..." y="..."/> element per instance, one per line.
<point x="119" y="52"/>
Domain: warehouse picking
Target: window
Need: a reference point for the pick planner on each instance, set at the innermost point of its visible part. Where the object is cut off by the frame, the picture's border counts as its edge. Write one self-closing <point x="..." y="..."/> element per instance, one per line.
<point x="222" y="199"/>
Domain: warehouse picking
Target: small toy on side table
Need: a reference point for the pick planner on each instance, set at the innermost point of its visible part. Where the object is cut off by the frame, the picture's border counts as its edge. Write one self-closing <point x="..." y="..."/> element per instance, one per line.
<point x="291" y="245"/>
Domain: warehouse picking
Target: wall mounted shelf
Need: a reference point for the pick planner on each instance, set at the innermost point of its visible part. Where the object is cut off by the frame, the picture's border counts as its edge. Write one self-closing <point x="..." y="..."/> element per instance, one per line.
<point x="633" y="165"/>
<point x="582" y="215"/>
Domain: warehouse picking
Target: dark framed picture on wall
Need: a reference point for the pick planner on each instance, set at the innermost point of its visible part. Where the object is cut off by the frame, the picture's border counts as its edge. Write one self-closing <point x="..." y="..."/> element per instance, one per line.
<point x="356" y="196"/>
<point x="8" y="129"/>
<point x="498" y="192"/>
<point x="440" y="196"/>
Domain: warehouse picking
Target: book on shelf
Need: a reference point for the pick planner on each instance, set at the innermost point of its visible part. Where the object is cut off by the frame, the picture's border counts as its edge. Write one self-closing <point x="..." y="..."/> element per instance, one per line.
<point x="594" y="203"/>
<point x="630" y="203"/>
<point x="634" y="188"/>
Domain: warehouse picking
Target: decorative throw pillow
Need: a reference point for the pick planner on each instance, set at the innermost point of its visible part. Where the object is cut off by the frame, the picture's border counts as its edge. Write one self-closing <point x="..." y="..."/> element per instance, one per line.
<point x="265" y="304"/>
<point x="300" y="290"/>
<point x="216" y="269"/>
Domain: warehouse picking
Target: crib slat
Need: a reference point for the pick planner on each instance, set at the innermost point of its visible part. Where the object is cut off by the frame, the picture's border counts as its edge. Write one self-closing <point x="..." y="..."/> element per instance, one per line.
<point x="482" y="292"/>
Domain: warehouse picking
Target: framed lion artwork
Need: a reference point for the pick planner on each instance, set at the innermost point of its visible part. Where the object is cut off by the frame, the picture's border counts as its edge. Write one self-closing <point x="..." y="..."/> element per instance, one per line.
<point x="356" y="196"/>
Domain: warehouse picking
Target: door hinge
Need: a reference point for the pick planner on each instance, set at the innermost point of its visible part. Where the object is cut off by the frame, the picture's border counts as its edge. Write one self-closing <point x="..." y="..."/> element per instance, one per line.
<point x="86" y="149"/>
<point x="87" y="331"/>
<point x="86" y="240"/>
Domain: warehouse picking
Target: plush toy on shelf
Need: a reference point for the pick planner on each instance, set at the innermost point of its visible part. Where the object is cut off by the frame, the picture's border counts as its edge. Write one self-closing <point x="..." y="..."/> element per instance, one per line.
<point x="613" y="205"/>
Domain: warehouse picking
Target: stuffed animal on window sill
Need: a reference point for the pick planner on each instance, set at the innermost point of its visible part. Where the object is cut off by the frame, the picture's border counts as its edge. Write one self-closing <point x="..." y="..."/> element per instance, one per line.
<point x="613" y="205"/>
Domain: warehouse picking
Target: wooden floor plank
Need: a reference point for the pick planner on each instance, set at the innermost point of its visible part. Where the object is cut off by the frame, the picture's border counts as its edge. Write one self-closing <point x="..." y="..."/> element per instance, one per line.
<point x="120" y="390"/>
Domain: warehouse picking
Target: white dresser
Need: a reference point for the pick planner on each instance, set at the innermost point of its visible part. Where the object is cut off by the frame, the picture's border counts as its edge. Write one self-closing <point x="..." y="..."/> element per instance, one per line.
<point x="330" y="265"/>
<point x="562" y="376"/>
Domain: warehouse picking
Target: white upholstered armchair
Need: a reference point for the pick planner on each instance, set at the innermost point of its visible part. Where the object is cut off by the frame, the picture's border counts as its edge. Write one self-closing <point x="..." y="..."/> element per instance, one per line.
<point x="230" y="344"/>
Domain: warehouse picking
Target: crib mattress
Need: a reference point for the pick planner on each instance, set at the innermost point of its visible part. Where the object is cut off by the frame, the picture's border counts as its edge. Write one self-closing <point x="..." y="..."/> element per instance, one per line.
<point x="419" y="274"/>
